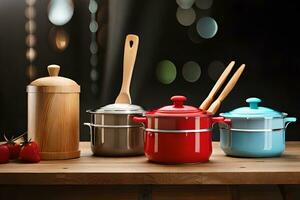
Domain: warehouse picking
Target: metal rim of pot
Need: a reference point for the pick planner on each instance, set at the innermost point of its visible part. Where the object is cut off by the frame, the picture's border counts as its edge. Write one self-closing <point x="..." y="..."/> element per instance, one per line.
<point x="255" y="117"/>
<point x="254" y="130"/>
<point x="120" y="112"/>
<point x="177" y="131"/>
<point x="286" y="121"/>
<point x="112" y="126"/>
<point x="118" y="109"/>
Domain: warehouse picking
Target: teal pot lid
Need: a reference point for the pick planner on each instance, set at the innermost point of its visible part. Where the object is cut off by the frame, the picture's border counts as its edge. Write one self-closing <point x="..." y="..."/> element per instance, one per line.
<point x="253" y="111"/>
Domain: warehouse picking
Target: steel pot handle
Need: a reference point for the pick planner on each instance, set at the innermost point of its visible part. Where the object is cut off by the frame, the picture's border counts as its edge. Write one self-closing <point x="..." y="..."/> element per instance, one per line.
<point x="89" y="125"/>
<point x="289" y="120"/>
<point x="222" y="120"/>
<point x="142" y="120"/>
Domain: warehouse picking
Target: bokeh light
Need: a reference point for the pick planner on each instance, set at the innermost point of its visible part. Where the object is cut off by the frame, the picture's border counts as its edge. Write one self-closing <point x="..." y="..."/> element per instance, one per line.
<point x="93" y="47"/>
<point x="60" y="12"/>
<point x="204" y="4"/>
<point x="31" y="72"/>
<point x="93" y="26"/>
<point x="93" y="6"/>
<point x="207" y="27"/>
<point x="166" y="71"/>
<point x="30" y="2"/>
<point x="30" y="40"/>
<point x="185" y="4"/>
<point x="94" y="75"/>
<point x="185" y="17"/>
<point x="31" y="54"/>
<point x="30" y="12"/>
<point x="30" y="26"/>
<point x="94" y="60"/>
<point x="61" y="40"/>
<point x="191" y="71"/>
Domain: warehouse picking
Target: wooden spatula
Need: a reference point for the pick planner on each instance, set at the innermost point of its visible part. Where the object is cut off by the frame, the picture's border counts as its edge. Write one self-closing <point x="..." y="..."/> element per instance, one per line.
<point x="209" y="99"/>
<point x="130" y="51"/>
<point x="216" y="104"/>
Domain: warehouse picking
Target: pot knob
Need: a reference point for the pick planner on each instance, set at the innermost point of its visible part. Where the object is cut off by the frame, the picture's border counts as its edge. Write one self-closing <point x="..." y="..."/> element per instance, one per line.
<point x="178" y="101"/>
<point x="253" y="102"/>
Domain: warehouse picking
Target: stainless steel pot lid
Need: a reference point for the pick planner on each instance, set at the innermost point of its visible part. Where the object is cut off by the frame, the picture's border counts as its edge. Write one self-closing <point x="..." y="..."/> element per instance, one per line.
<point x="118" y="108"/>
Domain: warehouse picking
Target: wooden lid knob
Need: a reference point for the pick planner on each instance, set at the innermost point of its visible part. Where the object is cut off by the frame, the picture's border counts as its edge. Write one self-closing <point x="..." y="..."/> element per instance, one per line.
<point x="53" y="70"/>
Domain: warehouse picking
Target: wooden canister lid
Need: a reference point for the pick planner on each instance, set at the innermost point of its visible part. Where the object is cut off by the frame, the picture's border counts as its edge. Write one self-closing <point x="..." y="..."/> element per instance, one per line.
<point x="53" y="83"/>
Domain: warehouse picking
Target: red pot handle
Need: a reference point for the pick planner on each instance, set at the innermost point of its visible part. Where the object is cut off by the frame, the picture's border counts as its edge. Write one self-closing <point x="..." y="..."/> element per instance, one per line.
<point x="221" y="120"/>
<point x="140" y="120"/>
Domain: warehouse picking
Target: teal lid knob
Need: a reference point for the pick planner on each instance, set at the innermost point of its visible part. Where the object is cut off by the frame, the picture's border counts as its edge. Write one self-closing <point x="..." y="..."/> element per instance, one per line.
<point x="253" y="102"/>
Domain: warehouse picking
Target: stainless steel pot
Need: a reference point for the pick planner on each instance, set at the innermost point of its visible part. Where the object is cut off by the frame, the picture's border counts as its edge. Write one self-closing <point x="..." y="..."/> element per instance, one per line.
<point x="114" y="133"/>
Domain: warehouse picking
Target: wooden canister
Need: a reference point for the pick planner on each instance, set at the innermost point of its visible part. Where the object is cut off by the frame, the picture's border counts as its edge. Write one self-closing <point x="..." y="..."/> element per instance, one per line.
<point x="53" y="115"/>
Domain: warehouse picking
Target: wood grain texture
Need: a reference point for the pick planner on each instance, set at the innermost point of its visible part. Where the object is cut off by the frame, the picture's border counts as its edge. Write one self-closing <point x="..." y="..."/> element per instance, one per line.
<point x="53" y="115"/>
<point x="89" y="170"/>
<point x="130" y="51"/>
<point x="53" y="122"/>
<point x="53" y="81"/>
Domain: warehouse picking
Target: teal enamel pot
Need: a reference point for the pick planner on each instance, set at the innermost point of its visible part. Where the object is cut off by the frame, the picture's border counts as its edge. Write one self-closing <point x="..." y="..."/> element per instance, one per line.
<point x="255" y="131"/>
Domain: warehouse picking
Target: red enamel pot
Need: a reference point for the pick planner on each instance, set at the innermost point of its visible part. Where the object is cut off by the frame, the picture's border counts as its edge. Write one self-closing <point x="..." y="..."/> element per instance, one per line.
<point x="178" y="133"/>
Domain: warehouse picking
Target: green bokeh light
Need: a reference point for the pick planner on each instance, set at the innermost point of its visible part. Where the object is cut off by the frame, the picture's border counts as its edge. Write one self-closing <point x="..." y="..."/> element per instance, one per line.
<point x="166" y="72"/>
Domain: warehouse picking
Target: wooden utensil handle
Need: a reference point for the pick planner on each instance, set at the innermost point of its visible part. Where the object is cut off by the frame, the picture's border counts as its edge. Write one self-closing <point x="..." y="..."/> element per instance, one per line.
<point x="217" y="103"/>
<point x="207" y="102"/>
<point x="214" y="106"/>
<point x="231" y="83"/>
<point x="130" y="51"/>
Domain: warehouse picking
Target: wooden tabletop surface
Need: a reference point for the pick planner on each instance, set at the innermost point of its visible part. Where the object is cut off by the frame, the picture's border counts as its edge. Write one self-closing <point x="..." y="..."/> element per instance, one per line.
<point x="89" y="170"/>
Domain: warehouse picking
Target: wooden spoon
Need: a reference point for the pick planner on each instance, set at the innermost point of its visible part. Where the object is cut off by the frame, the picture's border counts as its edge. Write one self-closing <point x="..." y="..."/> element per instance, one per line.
<point x="130" y="51"/>
<point x="207" y="102"/>
<point x="216" y="104"/>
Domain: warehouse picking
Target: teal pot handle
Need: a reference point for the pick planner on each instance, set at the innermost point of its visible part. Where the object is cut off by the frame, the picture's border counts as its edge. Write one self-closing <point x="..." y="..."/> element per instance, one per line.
<point x="289" y="120"/>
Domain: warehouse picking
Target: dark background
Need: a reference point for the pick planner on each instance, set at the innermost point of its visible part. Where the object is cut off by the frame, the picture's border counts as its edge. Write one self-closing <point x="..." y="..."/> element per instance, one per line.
<point x="261" y="34"/>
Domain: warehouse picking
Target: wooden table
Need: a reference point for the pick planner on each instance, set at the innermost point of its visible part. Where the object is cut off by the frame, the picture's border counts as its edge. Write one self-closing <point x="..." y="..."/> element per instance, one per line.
<point x="137" y="175"/>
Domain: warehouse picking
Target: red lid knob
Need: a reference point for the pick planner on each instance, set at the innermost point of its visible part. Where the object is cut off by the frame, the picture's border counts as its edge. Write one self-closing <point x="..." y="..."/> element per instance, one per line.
<point x="178" y="101"/>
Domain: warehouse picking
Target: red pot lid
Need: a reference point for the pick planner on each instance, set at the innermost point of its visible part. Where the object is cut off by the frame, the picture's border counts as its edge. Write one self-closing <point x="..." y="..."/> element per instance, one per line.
<point x="178" y="109"/>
